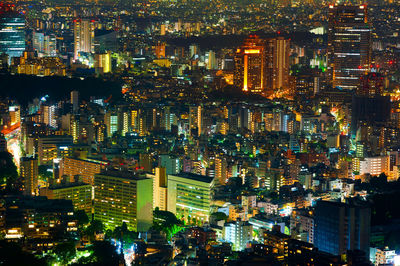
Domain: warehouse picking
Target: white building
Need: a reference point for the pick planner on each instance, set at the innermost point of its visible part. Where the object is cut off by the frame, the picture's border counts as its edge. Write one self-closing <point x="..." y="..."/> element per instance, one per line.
<point x="375" y="165"/>
<point x="238" y="233"/>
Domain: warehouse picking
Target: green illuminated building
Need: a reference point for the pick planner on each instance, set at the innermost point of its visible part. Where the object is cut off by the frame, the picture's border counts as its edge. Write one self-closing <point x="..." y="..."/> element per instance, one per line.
<point x="189" y="196"/>
<point x="123" y="196"/>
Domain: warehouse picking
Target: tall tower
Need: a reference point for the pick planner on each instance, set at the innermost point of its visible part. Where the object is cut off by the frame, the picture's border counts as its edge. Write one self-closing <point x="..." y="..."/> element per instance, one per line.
<point x="250" y="65"/>
<point x="75" y="101"/>
<point x="12" y="32"/>
<point x="195" y="119"/>
<point x="349" y="45"/>
<point x="83" y="37"/>
<point x="29" y="173"/>
<point x="278" y="50"/>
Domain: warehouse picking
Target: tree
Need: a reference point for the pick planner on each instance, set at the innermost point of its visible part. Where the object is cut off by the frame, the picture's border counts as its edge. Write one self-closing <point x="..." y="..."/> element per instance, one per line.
<point x="219" y="216"/>
<point x="65" y="252"/>
<point x="43" y="173"/>
<point x="166" y="222"/>
<point x="8" y="172"/>
<point x="102" y="253"/>
<point x="124" y="235"/>
<point x="94" y="227"/>
<point x="81" y="217"/>
<point x="12" y="254"/>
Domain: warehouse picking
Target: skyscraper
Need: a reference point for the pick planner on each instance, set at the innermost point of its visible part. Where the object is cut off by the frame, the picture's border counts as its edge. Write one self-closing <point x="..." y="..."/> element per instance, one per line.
<point x="12" y="33"/>
<point x="341" y="226"/>
<point x="349" y="44"/>
<point x="262" y="66"/>
<point x="250" y="65"/>
<point x="29" y="174"/>
<point x="83" y="37"/>
<point x="75" y="101"/>
<point x="278" y="50"/>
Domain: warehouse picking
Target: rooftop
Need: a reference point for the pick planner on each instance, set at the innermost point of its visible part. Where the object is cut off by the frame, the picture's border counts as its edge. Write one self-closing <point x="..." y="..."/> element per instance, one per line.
<point x="196" y="177"/>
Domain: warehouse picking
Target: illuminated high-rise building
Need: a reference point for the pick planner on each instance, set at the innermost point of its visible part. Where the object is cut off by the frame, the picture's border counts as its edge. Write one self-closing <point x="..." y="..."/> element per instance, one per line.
<point x="250" y="65"/>
<point x="29" y="174"/>
<point x="45" y="45"/>
<point x="111" y="121"/>
<point x="83" y="37"/>
<point x="159" y="188"/>
<point x="124" y="197"/>
<point x="15" y="114"/>
<point x="195" y="119"/>
<point x="160" y="50"/>
<point x="221" y="170"/>
<point x="189" y="196"/>
<point x="349" y="45"/>
<point x="12" y="32"/>
<point x="103" y="62"/>
<point x="371" y="85"/>
<point x="75" y="101"/>
<point x="277" y="69"/>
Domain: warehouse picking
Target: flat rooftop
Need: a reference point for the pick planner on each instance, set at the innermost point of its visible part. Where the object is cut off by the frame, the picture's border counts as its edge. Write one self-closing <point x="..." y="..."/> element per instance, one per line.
<point x="196" y="177"/>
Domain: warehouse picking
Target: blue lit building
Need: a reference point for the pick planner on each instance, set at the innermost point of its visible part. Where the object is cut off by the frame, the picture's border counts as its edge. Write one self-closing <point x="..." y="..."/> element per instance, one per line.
<point x="12" y="34"/>
<point x="341" y="226"/>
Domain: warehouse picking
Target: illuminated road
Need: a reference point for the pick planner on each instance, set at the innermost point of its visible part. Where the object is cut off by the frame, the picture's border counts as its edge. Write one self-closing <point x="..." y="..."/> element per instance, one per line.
<point x="13" y="145"/>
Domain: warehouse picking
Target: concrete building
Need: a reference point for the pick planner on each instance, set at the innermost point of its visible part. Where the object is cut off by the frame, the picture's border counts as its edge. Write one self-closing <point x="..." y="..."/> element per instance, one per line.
<point x="341" y="226"/>
<point x="123" y="196"/>
<point x="29" y="174"/>
<point x="85" y="168"/>
<point x="80" y="194"/>
<point x="238" y="233"/>
<point x="52" y="147"/>
<point x="159" y="188"/>
<point x="189" y="196"/>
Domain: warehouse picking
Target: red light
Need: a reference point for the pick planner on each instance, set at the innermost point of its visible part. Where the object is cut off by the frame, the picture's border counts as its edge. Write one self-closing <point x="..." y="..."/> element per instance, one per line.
<point x="359" y="67"/>
<point x="278" y="32"/>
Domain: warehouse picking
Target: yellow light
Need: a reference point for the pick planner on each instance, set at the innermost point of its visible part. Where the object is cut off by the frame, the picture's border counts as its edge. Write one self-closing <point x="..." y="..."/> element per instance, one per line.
<point x="252" y="51"/>
<point x="245" y="74"/>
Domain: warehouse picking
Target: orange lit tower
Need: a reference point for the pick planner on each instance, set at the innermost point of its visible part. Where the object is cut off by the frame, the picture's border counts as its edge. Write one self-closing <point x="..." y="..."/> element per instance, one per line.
<point x="250" y="65"/>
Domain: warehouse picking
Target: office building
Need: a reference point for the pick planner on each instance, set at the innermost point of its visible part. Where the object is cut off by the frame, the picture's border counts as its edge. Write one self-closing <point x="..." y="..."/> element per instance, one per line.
<point x="123" y="196"/>
<point x="83" y="37"/>
<point x="277" y="67"/>
<point x="250" y="65"/>
<point x="159" y="188"/>
<point x="189" y="196"/>
<point x="30" y="175"/>
<point x="75" y="101"/>
<point x="341" y="226"/>
<point x="52" y="147"/>
<point x="111" y="120"/>
<point x="349" y="45"/>
<point x="44" y="45"/>
<point x="12" y="33"/>
<point x="103" y="62"/>
<point x="171" y="163"/>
